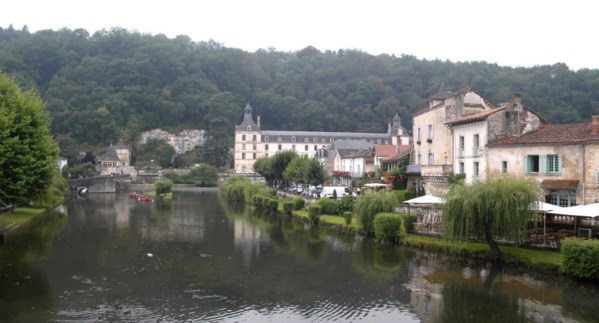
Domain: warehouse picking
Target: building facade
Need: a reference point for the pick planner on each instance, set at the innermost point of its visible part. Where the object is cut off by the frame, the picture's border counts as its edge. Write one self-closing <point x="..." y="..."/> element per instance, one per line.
<point x="433" y="156"/>
<point x="251" y="142"/>
<point x="562" y="158"/>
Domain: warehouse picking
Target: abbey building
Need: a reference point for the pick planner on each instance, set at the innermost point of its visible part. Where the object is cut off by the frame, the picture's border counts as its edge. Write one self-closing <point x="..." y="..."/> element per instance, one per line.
<point x="251" y="142"/>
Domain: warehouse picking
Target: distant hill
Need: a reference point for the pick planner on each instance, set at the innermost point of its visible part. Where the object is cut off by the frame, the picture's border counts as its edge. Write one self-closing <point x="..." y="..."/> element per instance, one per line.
<point x="114" y="84"/>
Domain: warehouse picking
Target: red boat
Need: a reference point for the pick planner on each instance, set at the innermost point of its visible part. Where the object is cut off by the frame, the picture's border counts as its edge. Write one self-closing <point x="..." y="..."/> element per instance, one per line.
<point x="139" y="197"/>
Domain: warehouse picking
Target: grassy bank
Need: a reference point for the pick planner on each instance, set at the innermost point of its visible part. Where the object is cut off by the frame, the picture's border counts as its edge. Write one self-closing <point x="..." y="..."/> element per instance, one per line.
<point x="18" y="217"/>
<point x="542" y="261"/>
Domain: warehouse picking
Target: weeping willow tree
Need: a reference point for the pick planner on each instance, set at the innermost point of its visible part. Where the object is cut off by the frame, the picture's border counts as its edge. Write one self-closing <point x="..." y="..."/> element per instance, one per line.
<point x="369" y="205"/>
<point x="498" y="207"/>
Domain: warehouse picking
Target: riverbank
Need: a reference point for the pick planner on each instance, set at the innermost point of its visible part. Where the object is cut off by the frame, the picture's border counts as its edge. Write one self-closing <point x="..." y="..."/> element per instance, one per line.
<point x="18" y="220"/>
<point x="544" y="262"/>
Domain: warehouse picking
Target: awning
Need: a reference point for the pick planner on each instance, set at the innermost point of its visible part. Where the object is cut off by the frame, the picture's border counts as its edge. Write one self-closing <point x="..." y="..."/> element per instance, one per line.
<point x="589" y="210"/>
<point x="560" y="184"/>
<point x="425" y="199"/>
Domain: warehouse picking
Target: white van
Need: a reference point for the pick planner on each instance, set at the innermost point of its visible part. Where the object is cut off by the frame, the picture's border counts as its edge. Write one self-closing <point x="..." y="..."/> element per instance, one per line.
<point x="327" y="191"/>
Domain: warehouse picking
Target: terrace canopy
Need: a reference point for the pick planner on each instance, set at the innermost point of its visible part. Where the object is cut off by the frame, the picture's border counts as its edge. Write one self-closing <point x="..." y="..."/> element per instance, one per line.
<point x="425" y="199"/>
<point x="588" y="210"/>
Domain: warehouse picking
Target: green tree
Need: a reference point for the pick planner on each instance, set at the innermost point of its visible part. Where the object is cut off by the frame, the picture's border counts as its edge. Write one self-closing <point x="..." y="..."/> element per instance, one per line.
<point x="81" y="171"/>
<point x="204" y="175"/>
<point x="369" y="205"/>
<point x="163" y="187"/>
<point x="27" y="152"/>
<point x="219" y="141"/>
<point x="497" y="207"/>
<point x="294" y="172"/>
<point x="155" y="151"/>
<point x="314" y="173"/>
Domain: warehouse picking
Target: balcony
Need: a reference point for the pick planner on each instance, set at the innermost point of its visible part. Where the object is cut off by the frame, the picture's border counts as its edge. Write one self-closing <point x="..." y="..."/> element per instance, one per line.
<point x="414" y="169"/>
<point x="436" y="170"/>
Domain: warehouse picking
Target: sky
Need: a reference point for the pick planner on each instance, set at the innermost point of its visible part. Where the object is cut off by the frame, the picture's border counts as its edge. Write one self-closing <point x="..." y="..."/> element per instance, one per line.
<point x="513" y="33"/>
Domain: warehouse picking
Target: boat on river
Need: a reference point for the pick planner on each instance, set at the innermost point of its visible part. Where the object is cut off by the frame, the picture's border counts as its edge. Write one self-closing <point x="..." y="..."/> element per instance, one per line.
<point x="139" y="197"/>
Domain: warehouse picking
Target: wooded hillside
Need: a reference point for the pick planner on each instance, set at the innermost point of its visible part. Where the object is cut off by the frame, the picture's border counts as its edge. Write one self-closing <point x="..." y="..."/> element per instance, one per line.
<point x="115" y="83"/>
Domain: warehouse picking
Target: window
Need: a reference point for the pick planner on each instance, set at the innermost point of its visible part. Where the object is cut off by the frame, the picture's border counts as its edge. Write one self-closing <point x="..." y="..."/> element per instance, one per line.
<point x="476" y="141"/>
<point x="293" y="147"/>
<point x="254" y="156"/>
<point x="249" y="128"/>
<point x="242" y="146"/>
<point x="315" y="147"/>
<point x="242" y="137"/>
<point x="306" y="139"/>
<point x="419" y="135"/>
<point x="543" y="164"/>
<point x="293" y="139"/>
<point x="475" y="169"/>
<point x="254" y="137"/>
<point x="253" y="147"/>
<point x="504" y="166"/>
<point x="532" y="164"/>
<point x="279" y="139"/>
<point x="431" y="158"/>
<point x="430" y="132"/>
<point x="242" y="155"/>
<point x="265" y="147"/>
<point x="461" y="169"/>
<point x="419" y="159"/>
<point x="553" y="164"/>
<point x="280" y="147"/>
<point x="266" y="138"/>
<point x="306" y="148"/>
<point x="461" y="146"/>
<point x="561" y="198"/>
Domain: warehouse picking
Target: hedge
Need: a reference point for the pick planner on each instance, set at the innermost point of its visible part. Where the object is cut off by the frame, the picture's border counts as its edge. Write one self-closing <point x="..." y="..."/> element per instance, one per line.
<point x="581" y="258"/>
<point x="273" y="204"/>
<point x="347" y="216"/>
<point x="314" y="213"/>
<point x="298" y="203"/>
<point x="288" y="207"/>
<point x="387" y="226"/>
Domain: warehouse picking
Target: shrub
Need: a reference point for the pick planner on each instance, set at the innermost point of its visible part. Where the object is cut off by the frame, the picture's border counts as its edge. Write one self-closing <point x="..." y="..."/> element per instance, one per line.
<point x="234" y="188"/>
<point x="258" y="201"/>
<point x="346" y="204"/>
<point x="347" y="216"/>
<point x="329" y="206"/>
<point x="368" y="205"/>
<point x="273" y="204"/>
<point x="581" y="258"/>
<point x="265" y="202"/>
<point x="408" y="221"/>
<point x="288" y="207"/>
<point x="298" y="203"/>
<point x="254" y="189"/>
<point x="163" y="187"/>
<point x="314" y="213"/>
<point x="387" y="226"/>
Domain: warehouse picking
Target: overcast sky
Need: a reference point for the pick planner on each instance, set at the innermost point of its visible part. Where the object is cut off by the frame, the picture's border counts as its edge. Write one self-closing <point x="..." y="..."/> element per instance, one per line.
<point x="506" y="32"/>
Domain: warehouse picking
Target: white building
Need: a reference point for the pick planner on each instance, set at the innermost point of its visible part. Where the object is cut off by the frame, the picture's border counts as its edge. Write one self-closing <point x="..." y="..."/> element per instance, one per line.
<point x="182" y="142"/>
<point x="252" y="143"/>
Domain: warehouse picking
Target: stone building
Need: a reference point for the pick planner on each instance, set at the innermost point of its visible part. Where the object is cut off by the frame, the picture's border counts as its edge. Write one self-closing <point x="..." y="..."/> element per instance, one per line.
<point x="116" y="161"/>
<point x="182" y="142"/>
<point x="251" y="142"/>
<point x="563" y="158"/>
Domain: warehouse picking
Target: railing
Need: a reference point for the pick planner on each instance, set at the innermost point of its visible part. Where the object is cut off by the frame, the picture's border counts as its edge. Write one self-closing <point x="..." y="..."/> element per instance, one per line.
<point x="435" y="170"/>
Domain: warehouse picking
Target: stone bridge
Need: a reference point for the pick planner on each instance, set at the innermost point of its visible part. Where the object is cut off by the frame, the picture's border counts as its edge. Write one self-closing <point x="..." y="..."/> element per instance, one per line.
<point x="101" y="184"/>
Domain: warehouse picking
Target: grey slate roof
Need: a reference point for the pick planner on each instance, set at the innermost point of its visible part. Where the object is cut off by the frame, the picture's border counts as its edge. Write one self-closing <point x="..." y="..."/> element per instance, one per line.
<point x="110" y="154"/>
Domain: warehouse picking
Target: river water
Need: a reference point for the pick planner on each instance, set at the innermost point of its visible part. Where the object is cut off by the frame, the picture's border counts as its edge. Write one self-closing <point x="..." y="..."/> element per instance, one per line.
<point x="196" y="259"/>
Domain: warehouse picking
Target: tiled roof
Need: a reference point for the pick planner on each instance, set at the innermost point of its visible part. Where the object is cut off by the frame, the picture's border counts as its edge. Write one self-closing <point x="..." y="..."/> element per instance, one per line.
<point x="560" y="183"/>
<point x="385" y="150"/>
<point x="473" y="117"/>
<point x="403" y="150"/>
<point x="552" y="134"/>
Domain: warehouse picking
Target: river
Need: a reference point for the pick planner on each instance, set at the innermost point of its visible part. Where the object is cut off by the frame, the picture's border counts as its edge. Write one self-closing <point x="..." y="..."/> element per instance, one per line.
<point x="197" y="259"/>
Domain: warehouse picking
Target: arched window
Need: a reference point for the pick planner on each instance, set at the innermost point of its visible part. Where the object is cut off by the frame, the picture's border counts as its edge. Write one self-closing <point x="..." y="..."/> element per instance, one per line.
<point x="279" y="139"/>
<point x="266" y="138"/>
<point x="306" y="139"/>
<point x="293" y="139"/>
<point x="249" y="128"/>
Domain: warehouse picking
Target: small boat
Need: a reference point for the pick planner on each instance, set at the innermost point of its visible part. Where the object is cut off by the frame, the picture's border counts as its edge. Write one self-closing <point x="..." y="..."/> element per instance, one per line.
<point x="143" y="198"/>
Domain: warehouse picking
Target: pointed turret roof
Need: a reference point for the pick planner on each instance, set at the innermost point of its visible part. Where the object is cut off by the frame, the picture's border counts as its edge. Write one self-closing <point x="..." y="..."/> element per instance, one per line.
<point x="248" y="122"/>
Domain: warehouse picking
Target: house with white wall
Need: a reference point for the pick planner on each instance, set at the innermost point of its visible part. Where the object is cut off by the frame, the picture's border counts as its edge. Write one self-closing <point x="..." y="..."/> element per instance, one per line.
<point x="471" y="132"/>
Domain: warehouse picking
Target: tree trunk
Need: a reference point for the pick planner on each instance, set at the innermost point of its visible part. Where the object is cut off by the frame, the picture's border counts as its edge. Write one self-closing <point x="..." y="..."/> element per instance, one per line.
<point x="495" y="252"/>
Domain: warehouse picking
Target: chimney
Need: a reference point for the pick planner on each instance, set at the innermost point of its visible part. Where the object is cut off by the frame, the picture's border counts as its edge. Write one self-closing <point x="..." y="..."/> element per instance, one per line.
<point x="595" y="124"/>
<point x="258" y="120"/>
<point x="517" y="102"/>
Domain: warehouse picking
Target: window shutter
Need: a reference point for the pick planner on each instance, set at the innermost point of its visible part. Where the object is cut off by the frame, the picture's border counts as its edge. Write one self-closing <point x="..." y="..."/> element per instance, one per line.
<point x="543" y="164"/>
<point x="559" y="164"/>
<point x="597" y="178"/>
<point x="525" y="164"/>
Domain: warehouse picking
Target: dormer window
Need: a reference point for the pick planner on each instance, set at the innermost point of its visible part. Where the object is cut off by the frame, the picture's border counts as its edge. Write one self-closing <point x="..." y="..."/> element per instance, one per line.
<point x="293" y="139"/>
<point x="266" y="138"/>
<point x="249" y="128"/>
<point x="279" y="139"/>
<point x="306" y="140"/>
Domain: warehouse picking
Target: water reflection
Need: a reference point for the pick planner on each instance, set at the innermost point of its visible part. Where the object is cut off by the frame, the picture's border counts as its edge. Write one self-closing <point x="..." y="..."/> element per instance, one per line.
<point x="199" y="259"/>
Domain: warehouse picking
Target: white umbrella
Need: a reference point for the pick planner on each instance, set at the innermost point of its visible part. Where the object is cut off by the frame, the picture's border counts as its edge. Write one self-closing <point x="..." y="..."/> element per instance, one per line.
<point x="425" y="199"/>
<point x="546" y="207"/>
<point x="589" y="210"/>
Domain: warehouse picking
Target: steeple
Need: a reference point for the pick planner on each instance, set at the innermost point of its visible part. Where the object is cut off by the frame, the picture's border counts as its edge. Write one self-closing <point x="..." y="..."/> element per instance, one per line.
<point x="248" y="123"/>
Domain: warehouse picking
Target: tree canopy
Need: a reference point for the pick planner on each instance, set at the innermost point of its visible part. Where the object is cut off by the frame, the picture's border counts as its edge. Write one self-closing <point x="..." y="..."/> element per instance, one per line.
<point x="115" y="83"/>
<point x="499" y="207"/>
<point x="27" y="152"/>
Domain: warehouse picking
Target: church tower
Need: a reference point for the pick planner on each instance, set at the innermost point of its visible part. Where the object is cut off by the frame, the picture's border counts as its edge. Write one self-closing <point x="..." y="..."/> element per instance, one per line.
<point x="247" y="142"/>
